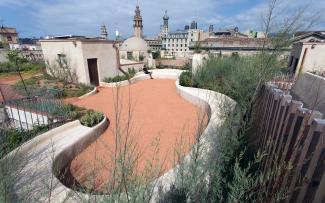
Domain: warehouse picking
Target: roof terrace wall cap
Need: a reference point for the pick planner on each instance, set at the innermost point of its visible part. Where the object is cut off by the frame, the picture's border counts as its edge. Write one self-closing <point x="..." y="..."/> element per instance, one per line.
<point x="93" y="40"/>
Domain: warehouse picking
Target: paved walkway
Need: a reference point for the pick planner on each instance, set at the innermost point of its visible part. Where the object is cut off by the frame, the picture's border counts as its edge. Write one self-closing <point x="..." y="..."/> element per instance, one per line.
<point x="157" y="113"/>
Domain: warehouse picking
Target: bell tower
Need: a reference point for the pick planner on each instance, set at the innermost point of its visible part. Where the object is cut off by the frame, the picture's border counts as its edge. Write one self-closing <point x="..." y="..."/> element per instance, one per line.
<point x="138" y="26"/>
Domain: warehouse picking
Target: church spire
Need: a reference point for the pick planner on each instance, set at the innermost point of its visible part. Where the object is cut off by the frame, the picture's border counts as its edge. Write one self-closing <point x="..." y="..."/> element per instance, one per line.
<point x="103" y="32"/>
<point x="138" y="26"/>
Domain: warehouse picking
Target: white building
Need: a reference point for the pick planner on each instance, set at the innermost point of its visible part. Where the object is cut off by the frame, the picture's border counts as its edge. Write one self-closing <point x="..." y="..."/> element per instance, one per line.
<point x="307" y="56"/>
<point x="176" y="44"/>
<point x="91" y="60"/>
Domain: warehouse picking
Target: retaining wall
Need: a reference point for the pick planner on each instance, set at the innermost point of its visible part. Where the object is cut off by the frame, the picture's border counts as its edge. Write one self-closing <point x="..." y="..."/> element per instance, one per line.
<point x="310" y="89"/>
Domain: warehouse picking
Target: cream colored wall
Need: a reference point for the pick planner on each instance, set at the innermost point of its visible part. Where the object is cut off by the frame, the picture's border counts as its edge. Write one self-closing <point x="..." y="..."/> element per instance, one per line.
<point x="106" y="58"/>
<point x="77" y="53"/>
<point x="314" y="59"/>
<point x="136" y="55"/>
<point x="73" y="52"/>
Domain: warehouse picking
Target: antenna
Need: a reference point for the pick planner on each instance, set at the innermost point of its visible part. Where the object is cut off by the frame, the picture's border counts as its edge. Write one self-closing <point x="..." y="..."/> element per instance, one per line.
<point x="138" y="3"/>
<point x="1" y="22"/>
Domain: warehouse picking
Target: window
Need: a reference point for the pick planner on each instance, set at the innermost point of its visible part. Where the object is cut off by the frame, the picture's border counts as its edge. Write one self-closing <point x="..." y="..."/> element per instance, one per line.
<point x="62" y="60"/>
<point x="129" y="55"/>
<point x="181" y="45"/>
<point x="9" y="38"/>
<point x="185" y="45"/>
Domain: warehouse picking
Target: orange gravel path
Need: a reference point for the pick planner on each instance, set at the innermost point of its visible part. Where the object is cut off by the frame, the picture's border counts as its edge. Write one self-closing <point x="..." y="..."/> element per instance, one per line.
<point x="157" y="113"/>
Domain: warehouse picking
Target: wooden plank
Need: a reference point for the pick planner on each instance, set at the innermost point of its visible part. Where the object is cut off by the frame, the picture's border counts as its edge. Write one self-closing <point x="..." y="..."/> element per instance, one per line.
<point x="276" y="104"/>
<point x="294" y="161"/>
<point x="286" y="100"/>
<point x="314" y="151"/>
<point x="268" y="109"/>
<point x="291" y="122"/>
<point x="319" y="196"/>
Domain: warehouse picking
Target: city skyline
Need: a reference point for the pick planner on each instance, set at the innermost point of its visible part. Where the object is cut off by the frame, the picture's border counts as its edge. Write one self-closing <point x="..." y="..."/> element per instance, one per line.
<point x="41" y="18"/>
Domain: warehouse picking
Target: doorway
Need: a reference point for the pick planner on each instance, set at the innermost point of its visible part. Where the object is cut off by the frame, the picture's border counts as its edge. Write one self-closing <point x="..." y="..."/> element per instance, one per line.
<point x="93" y="71"/>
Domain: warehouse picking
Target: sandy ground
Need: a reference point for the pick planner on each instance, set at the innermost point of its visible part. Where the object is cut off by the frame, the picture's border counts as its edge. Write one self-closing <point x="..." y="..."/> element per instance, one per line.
<point x="157" y="115"/>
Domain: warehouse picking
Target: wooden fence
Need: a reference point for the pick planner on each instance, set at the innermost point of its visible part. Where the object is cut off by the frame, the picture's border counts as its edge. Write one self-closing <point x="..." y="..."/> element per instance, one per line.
<point x="293" y="137"/>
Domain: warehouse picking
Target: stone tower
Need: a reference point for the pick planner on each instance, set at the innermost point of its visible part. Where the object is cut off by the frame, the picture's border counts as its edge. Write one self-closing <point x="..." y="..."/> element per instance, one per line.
<point x="193" y="25"/>
<point x="165" y="28"/>
<point x="138" y="26"/>
<point x="211" y="28"/>
<point x="103" y="32"/>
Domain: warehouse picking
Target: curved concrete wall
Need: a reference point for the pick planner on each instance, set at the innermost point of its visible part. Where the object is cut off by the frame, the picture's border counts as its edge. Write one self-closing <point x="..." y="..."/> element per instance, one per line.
<point x="156" y="74"/>
<point x="69" y="152"/>
<point x="94" y="91"/>
<point x="211" y="101"/>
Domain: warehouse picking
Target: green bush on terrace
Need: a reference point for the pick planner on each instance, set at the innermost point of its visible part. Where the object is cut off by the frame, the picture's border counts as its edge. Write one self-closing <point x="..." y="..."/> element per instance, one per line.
<point x="40" y="85"/>
<point x="12" y="138"/>
<point x="91" y="118"/>
<point x="131" y="72"/>
<point x="236" y="77"/>
<point x="233" y="172"/>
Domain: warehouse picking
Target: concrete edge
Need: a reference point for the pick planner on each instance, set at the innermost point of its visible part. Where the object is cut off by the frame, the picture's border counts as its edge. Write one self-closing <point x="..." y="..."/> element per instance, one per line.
<point x="156" y="74"/>
<point x="27" y="146"/>
<point x="94" y="91"/>
<point x="63" y="157"/>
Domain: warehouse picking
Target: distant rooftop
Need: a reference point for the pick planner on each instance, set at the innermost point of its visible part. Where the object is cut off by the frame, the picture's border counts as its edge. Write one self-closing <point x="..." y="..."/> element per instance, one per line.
<point x="75" y="37"/>
<point x="7" y="30"/>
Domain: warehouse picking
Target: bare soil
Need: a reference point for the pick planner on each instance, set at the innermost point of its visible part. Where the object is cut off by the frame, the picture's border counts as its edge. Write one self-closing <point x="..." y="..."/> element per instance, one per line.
<point x="158" y="115"/>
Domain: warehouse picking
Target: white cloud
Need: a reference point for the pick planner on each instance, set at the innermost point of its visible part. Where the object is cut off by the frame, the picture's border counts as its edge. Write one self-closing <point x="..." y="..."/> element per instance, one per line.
<point x="84" y="17"/>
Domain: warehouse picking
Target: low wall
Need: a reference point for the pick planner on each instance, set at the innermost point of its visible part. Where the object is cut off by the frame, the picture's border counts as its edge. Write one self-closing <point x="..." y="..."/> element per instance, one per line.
<point x="45" y="156"/>
<point x="94" y="91"/>
<point x="309" y="88"/>
<point x="25" y="119"/>
<point x="69" y="152"/>
<point x="156" y="74"/>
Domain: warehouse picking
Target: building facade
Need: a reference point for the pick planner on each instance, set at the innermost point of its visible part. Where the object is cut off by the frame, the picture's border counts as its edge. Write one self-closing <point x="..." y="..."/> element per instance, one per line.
<point x="8" y="36"/>
<point x="232" y="45"/>
<point x="154" y="44"/>
<point x="176" y="44"/>
<point x="307" y="56"/>
<point x="91" y="60"/>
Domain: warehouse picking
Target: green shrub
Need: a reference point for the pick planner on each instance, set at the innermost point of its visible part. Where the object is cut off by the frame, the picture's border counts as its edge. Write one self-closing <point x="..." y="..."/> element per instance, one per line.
<point x="186" y="79"/>
<point x="131" y="72"/>
<point x="187" y="66"/>
<point x="91" y="118"/>
<point x="13" y="138"/>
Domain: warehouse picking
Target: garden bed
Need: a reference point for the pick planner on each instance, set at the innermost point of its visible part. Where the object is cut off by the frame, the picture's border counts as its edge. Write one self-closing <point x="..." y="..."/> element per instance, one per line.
<point x="44" y="84"/>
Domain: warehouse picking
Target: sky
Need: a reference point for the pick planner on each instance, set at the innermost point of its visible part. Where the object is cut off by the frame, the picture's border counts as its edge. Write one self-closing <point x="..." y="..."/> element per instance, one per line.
<point x="39" y="18"/>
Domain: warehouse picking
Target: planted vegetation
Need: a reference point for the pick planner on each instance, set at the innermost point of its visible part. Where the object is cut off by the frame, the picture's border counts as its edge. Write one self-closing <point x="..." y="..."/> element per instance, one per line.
<point x="12" y="138"/>
<point x="130" y="74"/>
<point x="45" y="84"/>
<point x="23" y="64"/>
